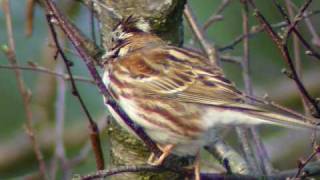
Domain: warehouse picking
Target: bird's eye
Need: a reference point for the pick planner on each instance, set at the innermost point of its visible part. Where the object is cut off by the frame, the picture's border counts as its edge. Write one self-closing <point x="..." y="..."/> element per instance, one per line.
<point x="117" y="34"/>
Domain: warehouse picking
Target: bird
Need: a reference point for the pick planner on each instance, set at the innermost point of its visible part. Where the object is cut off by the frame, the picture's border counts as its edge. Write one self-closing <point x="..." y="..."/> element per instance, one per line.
<point x="175" y="94"/>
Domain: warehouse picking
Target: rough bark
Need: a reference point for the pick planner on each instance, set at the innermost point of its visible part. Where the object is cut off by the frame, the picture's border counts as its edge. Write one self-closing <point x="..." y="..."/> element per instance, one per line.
<point x="165" y="16"/>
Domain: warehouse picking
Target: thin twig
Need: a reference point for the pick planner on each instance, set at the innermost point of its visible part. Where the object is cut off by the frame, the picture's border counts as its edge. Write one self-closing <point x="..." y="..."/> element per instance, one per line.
<point x="297" y="18"/>
<point x="268" y="102"/>
<point x="24" y="92"/>
<point x="216" y="15"/>
<point x="48" y="71"/>
<point x="302" y="164"/>
<point x="29" y="17"/>
<point x="290" y="5"/>
<point x="208" y="48"/>
<point x="315" y="37"/>
<point x="296" y="53"/>
<point x="117" y="170"/>
<point x="85" y="149"/>
<point x="296" y="36"/>
<point x="292" y="27"/>
<point x="314" y="34"/>
<point x="60" y="111"/>
<point x="94" y="132"/>
<point x="259" y="28"/>
<point x="149" y="168"/>
<point x="231" y="59"/>
<point x="312" y="168"/>
<point x="242" y="132"/>
<point x="221" y="151"/>
<point x="261" y="151"/>
<point x="92" y="23"/>
<point x="245" y="61"/>
<point x="282" y="46"/>
<point x="244" y="137"/>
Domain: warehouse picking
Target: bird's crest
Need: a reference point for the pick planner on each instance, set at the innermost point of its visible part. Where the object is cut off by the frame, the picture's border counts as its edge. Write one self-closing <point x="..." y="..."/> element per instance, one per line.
<point x="132" y="24"/>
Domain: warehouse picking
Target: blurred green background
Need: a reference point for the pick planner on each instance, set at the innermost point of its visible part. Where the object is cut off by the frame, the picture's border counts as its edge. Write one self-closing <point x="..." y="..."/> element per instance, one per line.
<point x="16" y="157"/>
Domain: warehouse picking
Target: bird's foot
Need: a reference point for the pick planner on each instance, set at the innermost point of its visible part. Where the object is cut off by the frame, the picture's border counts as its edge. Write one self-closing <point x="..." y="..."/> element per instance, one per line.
<point x="166" y="150"/>
<point x="195" y="167"/>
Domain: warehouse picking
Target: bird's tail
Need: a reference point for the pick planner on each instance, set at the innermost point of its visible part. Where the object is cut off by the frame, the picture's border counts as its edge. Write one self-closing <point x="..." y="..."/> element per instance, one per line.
<point x="285" y="120"/>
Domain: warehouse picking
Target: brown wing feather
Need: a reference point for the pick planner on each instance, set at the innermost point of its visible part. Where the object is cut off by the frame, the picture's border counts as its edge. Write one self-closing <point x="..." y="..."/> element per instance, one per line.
<point x="182" y="75"/>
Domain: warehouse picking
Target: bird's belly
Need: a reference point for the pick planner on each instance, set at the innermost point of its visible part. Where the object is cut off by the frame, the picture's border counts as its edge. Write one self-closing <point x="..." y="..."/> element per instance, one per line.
<point x="183" y="146"/>
<point x="214" y="117"/>
<point x="153" y="124"/>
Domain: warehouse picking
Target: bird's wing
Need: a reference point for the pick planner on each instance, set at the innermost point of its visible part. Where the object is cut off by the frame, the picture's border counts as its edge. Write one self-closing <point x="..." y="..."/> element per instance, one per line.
<point x="185" y="76"/>
<point x="181" y="75"/>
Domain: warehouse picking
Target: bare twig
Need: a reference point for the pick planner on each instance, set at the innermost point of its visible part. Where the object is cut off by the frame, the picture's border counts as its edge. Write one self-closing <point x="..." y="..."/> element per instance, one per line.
<point x="117" y="170"/>
<point x="29" y="17"/>
<point x="92" y="23"/>
<point x="282" y="46"/>
<point x="292" y="27"/>
<point x="275" y="105"/>
<point x="296" y="53"/>
<point x="312" y="168"/>
<point x="253" y="31"/>
<point x="94" y="132"/>
<point x="37" y="68"/>
<point x="259" y="28"/>
<point x="314" y="34"/>
<point x="208" y="48"/>
<point x="216" y="15"/>
<point x="245" y="61"/>
<point x="297" y="19"/>
<point x="261" y="151"/>
<point x="231" y="59"/>
<point x="83" y="153"/>
<point x="149" y="168"/>
<point x="296" y="36"/>
<point x="220" y="150"/>
<point x="25" y="93"/>
<point x="60" y="107"/>
<point x="244" y="138"/>
<point x="244" y="133"/>
<point x="302" y="164"/>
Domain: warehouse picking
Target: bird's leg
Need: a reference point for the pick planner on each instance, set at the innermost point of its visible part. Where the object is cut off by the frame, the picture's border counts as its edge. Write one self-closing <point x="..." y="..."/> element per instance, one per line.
<point x="197" y="167"/>
<point x="166" y="150"/>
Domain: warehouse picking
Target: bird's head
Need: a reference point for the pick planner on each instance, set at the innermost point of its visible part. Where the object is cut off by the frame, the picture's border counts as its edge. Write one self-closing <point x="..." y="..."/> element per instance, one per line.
<point x="129" y="27"/>
<point x="130" y="34"/>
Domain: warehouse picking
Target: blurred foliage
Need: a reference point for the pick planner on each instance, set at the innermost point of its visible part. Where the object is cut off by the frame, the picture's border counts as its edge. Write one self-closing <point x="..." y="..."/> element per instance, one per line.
<point x="266" y="70"/>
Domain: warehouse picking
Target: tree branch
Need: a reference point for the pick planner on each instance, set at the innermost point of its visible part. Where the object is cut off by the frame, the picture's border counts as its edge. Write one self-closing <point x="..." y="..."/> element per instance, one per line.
<point x="24" y="92"/>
